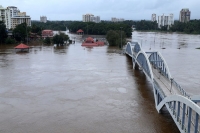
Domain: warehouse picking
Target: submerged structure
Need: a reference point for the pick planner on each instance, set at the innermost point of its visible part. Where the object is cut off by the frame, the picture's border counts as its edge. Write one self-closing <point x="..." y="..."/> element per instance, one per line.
<point x="92" y="42"/>
<point x="22" y="47"/>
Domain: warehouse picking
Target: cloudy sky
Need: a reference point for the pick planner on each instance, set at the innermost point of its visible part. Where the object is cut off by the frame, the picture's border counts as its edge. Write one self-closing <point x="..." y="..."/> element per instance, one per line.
<point x="127" y="9"/>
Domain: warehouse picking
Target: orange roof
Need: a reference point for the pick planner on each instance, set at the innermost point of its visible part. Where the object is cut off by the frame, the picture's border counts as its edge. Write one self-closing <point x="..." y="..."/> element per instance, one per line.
<point x="80" y="30"/>
<point x="89" y="39"/>
<point x="21" y="46"/>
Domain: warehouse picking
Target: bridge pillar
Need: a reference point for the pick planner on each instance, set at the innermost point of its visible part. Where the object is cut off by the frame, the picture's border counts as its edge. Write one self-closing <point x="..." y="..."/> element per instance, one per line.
<point x="178" y="114"/>
<point x="196" y="123"/>
<point x="174" y="105"/>
<point x="189" y="119"/>
<point x="183" y="117"/>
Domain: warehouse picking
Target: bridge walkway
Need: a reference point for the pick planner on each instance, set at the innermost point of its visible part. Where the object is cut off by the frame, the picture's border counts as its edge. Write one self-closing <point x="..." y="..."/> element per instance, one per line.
<point x="167" y="87"/>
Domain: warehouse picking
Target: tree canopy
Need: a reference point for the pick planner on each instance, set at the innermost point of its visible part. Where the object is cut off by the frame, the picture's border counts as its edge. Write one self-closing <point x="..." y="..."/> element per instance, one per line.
<point x="116" y="38"/>
<point x="99" y="28"/>
<point x="60" y="39"/>
<point x="21" y="32"/>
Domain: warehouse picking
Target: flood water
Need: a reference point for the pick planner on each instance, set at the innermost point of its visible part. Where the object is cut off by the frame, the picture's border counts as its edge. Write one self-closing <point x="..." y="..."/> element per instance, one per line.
<point x="73" y="89"/>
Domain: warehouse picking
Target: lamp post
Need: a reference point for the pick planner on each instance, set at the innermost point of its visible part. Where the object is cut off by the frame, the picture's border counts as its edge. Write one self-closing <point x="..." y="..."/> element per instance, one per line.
<point x="159" y="72"/>
<point x="121" y="36"/>
<point x="171" y="84"/>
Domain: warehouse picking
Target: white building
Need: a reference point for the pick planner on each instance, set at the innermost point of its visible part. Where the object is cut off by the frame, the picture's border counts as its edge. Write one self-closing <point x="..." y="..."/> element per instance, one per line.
<point x="2" y="13"/>
<point x="153" y="17"/>
<point x="43" y="19"/>
<point x="164" y="20"/>
<point x="95" y="19"/>
<point x="13" y="17"/>
<point x="91" y="18"/>
<point x="113" y="19"/>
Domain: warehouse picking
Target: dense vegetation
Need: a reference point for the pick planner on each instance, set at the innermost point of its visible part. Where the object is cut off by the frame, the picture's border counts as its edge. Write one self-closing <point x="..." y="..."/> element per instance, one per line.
<point x="99" y="28"/>
<point x="20" y="32"/>
<point x="51" y="25"/>
<point x="192" y="27"/>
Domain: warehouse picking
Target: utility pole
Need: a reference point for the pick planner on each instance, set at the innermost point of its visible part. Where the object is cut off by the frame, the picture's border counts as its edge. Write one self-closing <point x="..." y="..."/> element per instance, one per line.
<point x="121" y="36"/>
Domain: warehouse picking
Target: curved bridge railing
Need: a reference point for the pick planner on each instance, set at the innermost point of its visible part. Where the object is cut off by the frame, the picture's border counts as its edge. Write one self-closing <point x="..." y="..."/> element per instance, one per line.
<point x="183" y="110"/>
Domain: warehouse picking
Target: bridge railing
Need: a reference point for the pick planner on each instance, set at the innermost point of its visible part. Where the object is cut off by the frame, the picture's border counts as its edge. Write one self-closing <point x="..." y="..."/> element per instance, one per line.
<point x="183" y="92"/>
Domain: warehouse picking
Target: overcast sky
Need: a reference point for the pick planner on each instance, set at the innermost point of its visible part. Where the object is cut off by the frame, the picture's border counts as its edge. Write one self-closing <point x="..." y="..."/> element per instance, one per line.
<point x="127" y="9"/>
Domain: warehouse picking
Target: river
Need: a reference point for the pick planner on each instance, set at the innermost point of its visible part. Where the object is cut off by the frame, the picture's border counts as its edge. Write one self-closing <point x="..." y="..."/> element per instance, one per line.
<point x="73" y="89"/>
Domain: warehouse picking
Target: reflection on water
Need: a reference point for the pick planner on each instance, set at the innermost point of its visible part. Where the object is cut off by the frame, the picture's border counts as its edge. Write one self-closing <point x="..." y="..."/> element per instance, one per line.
<point x="77" y="89"/>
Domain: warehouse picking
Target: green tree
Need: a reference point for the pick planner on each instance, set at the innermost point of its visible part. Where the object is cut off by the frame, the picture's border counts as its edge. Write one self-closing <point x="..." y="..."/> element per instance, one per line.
<point x="3" y="33"/>
<point x="21" y="31"/>
<point x="116" y="38"/>
<point x="60" y="39"/>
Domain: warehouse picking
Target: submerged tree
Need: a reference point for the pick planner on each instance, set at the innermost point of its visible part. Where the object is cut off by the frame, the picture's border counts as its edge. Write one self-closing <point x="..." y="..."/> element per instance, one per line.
<point x="60" y="39"/>
<point x="116" y="38"/>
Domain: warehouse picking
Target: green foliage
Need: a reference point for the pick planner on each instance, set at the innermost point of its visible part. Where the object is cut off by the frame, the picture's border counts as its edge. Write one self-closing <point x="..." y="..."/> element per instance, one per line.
<point x="51" y="25"/>
<point x="10" y="41"/>
<point x="192" y="27"/>
<point x="60" y="39"/>
<point x="36" y="29"/>
<point x="3" y="33"/>
<point x="114" y="38"/>
<point x="146" y="25"/>
<point x="21" y="31"/>
<point x="47" y="40"/>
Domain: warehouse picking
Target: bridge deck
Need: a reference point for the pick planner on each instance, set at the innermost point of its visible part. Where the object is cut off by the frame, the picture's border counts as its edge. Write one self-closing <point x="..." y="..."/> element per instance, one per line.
<point x="164" y="83"/>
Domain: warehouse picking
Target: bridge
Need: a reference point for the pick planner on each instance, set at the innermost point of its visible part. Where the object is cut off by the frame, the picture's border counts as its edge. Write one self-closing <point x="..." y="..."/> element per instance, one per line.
<point x="183" y="107"/>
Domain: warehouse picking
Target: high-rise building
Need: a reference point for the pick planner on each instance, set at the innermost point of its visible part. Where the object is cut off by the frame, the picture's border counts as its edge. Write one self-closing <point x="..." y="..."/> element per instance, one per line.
<point x="12" y="17"/>
<point x="2" y="13"/>
<point x="164" y="20"/>
<point x="91" y="18"/>
<point x="43" y="19"/>
<point x="117" y="19"/>
<point x="184" y="15"/>
<point x="95" y="19"/>
<point x="87" y="17"/>
<point x="153" y="17"/>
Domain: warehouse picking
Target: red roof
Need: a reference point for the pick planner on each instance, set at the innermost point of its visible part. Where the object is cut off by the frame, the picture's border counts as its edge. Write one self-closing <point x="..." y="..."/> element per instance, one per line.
<point x="89" y="40"/>
<point x="80" y="31"/>
<point x="21" y="46"/>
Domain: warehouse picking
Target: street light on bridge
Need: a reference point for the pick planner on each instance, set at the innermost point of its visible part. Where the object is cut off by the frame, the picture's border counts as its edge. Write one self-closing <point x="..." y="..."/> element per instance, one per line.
<point x="171" y="79"/>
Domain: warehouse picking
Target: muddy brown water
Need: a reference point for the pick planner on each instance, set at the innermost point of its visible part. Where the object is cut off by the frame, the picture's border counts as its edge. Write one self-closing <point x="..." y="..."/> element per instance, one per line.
<point x="73" y="89"/>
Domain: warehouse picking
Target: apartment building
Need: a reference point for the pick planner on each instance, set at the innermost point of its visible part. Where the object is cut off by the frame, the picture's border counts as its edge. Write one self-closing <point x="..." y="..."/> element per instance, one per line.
<point x="153" y="17"/>
<point x="184" y="15"/>
<point x="91" y="18"/>
<point x="164" y="20"/>
<point x="13" y="17"/>
<point x="43" y="19"/>
<point x="113" y="19"/>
